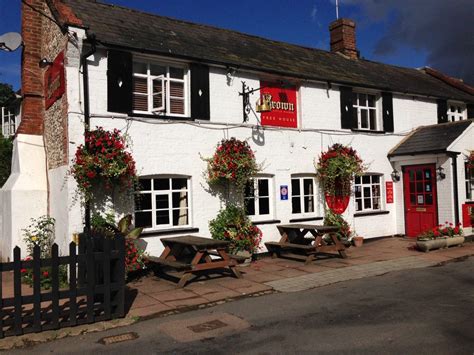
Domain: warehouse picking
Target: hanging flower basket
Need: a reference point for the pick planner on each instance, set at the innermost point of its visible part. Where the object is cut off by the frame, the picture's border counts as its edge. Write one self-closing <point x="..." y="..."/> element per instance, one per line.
<point x="233" y="162"/>
<point x="470" y="160"/>
<point x="103" y="161"/>
<point x="335" y="171"/>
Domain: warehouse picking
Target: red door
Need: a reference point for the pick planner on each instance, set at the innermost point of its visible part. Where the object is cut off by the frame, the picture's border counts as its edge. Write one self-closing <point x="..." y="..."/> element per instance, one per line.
<point x="421" y="211"/>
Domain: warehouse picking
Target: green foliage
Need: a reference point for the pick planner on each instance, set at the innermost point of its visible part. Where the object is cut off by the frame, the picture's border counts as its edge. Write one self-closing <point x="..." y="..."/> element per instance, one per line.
<point x="333" y="219"/>
<point x="447" y="229"/>
<point x="336" y="169"/>
<point x="6" y="150"/>
<point x="40" y="232"/>
<point x="233" y="225"/>
<point x="6" y="94"/>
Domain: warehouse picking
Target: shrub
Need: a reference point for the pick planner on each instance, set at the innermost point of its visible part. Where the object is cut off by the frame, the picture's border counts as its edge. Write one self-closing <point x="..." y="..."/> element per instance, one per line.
<point x="6" y="149"/>
<point x="233" y="225"/>
<point x="333" y="219"/>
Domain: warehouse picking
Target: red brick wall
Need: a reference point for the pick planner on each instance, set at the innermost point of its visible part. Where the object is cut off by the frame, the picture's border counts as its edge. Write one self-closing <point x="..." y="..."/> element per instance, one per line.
<point x="343" y="37"/>
<point x="31" y="74"/>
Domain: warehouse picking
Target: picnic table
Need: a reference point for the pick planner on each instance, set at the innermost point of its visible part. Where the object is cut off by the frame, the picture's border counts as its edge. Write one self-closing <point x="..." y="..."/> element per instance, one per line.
<point x="191" y="254"/>
<point x="295" y="243"/>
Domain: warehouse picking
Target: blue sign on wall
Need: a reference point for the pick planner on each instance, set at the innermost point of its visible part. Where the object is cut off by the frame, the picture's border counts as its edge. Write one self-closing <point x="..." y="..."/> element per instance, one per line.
<point x="283" y="192"/>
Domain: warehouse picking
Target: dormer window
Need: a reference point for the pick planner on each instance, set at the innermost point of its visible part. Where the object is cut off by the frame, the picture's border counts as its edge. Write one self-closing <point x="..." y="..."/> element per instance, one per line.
<point x="456" y="111"/>
<point x="365" y="111"/>
<point x="160" y="89"/>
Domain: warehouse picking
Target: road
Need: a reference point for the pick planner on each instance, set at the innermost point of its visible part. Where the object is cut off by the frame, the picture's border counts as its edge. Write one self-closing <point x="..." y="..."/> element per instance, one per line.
<point x="422" y="311"/>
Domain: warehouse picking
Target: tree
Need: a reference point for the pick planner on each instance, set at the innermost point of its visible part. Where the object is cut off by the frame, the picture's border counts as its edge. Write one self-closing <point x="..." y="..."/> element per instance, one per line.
<point x="6" y="147"/>
<point x="6" y="94"/>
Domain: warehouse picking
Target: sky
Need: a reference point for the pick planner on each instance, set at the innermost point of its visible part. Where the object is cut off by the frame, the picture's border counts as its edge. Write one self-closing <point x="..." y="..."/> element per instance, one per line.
<point x="436" y="33"/>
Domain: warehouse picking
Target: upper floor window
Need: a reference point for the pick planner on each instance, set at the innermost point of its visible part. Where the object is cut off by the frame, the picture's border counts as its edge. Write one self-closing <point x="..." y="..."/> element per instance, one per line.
<point x="469" y="177"/>
<point x="160" y="89"/>
<point x="365" y="111"/>
<point x="368" y="192"/>
<point x="258" y="198"/>
<point x="303" y="197"/>
<point x="456" y="111"/>
<point x="163" y="202"/>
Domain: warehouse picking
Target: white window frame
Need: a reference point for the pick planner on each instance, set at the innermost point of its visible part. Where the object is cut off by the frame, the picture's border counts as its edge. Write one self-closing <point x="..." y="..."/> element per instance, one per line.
<point x="361" y="185"/>
<point x="166" y="83"/>
<point x="469" y="179"/>
<point x="358" y="109"/>
<point x="301" y="178"/>
<point x="257" y="216"/>
<point x="455" y="115"/>
<point x="170" y="208"/>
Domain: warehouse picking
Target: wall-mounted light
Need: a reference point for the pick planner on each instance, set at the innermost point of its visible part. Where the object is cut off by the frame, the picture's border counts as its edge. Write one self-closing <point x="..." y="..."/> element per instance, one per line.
<point x="395" y="175"/>
<point x="441" y="173"/>
<point x="43" y="63"/>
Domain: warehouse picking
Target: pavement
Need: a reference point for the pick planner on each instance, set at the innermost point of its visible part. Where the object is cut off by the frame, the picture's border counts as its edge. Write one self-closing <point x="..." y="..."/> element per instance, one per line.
<point x="151" y="296"/>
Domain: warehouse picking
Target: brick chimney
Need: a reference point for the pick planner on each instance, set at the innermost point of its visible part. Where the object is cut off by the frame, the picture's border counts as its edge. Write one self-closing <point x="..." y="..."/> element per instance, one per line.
<point x="31" y="74"/>
<point x="343" y="37"/>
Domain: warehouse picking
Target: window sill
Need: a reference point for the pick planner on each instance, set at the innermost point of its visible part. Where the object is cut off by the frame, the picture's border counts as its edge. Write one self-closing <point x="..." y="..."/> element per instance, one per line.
<point x="156" y="233"/>
<point x="161" y="117"/>
<point x="272" y="221"/>
<point x="306" y="219"/>
<point x="366" y="131"/>
<point x="370" y="213"/>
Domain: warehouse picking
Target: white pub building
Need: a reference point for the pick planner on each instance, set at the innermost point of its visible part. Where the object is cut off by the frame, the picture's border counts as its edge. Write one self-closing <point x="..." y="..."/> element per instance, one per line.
<point x="175" y="88"/>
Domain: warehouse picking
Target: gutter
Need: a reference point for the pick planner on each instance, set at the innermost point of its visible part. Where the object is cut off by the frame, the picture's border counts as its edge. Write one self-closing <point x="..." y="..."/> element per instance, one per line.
<point x="87" y="117"/>
<point x="454" y="165"/>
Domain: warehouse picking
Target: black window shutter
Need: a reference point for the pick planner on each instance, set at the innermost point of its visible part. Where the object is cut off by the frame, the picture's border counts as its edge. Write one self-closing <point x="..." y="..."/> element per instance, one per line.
<point x="442" y="111"/>
<point x="200" y="106"/>
<point x="470" y="111"/>
<point x="387" y="108"/>
<point x="119" y="81"/>
<point x="347" y="118"/>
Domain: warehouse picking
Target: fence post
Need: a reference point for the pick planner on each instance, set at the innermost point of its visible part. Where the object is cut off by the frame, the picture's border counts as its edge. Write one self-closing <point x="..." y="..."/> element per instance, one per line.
<point x="120" y="272"/>
<point x="17" y="290"/>
<point x="37" y="288"/>
<point x="55" y="285"/>
<point x="107" y="283"/>
<point x="90" y="273"/>
<point x="81" y="266"/>
<point x="1" y="301"/>
<point x="72" y="284"/>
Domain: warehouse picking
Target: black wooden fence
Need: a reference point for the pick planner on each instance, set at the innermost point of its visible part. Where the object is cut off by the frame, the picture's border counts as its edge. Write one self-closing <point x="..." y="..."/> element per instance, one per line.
<point x="95" y="287"/>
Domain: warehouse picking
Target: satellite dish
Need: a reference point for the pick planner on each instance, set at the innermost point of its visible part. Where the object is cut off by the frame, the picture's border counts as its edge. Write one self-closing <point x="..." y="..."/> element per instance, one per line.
<point x="10" y="41"/>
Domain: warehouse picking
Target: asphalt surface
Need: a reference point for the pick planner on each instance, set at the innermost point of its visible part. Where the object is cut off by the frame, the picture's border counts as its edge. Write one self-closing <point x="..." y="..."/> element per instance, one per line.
<point x="422" y="311"/>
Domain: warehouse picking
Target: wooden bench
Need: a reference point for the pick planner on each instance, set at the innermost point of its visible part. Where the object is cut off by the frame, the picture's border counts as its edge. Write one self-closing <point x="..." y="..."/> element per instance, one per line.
<point x="178" y="265"/>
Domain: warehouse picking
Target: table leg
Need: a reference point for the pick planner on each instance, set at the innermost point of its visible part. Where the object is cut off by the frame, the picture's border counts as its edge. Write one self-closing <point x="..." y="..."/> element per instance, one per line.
<point x="184" y="279"/>
<point x="231" y="262"/>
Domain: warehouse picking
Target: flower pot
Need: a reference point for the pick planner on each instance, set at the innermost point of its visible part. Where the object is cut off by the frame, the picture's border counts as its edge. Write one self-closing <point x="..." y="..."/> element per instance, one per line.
<point x="432" y="244"/>
<point x="244" y="254"/>
<point x="455" y="240"/>
<point x="358" y="241"/>
<point x="337" y="204"/>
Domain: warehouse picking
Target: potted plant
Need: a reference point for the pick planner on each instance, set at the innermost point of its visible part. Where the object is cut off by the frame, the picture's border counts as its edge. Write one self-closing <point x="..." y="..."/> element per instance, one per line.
<point x="441" y="236"/>
<point x="335" y="171"/>
<point x="344" y="234"/>
<point x="104" y="162"/>
<point x="233" y="225"/>
<point x="233" y="162"/>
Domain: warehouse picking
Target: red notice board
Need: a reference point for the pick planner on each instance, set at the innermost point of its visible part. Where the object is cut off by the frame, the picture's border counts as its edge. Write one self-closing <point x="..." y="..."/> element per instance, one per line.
<point x="54" y="83"/>
<point x="468" y="214"/>
<point x="389" y="191"/>
<point x="283" y="106"/>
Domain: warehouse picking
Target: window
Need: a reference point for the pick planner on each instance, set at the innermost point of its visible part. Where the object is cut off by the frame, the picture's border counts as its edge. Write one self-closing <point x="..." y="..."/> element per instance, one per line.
<point x="456" y="111"/>
<point x="303" y="195"/>
<point x="258" y="198"/>
<point x="162" y="202"/>
<point x="469" y="176"/>
<point x="365" y="111"/>
<point x="368" y="191"/>
<point x="160" y="89"/>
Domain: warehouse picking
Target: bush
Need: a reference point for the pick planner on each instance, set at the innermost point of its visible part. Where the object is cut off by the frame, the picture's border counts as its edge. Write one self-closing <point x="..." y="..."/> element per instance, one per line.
<point x="6" y="150"/>
<point x="233" y="225"/>
<point x="333" y="219"/>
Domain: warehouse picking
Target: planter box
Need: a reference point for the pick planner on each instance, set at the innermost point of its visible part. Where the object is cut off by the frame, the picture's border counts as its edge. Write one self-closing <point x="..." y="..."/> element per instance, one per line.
<point x="427" y="245"/>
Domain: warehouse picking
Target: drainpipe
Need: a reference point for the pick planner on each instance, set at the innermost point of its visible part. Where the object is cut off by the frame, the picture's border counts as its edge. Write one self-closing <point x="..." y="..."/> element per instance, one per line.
<point x="454" y="164"/>
<point x="87" y="117"/>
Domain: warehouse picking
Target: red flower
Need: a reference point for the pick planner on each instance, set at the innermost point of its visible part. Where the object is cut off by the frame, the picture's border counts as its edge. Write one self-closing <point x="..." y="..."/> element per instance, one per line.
<point x="45" y="274"/>
<point x="23" y="271"/>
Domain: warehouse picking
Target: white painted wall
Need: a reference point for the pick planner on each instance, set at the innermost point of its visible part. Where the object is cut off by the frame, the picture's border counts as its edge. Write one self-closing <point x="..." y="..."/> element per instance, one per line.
<point x="24" y="195"/>
<point x="176" y="147"/>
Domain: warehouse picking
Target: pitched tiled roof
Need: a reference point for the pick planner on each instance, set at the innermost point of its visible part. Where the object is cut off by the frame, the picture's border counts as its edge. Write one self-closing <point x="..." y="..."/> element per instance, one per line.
<point x="122" y="27"/>
<point x="431" y="139"/>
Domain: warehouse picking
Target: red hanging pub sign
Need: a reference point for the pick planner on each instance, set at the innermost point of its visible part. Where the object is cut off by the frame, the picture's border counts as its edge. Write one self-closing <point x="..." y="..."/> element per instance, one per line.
<point x="283" y="105"/>
<point x="54" y="83"/>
